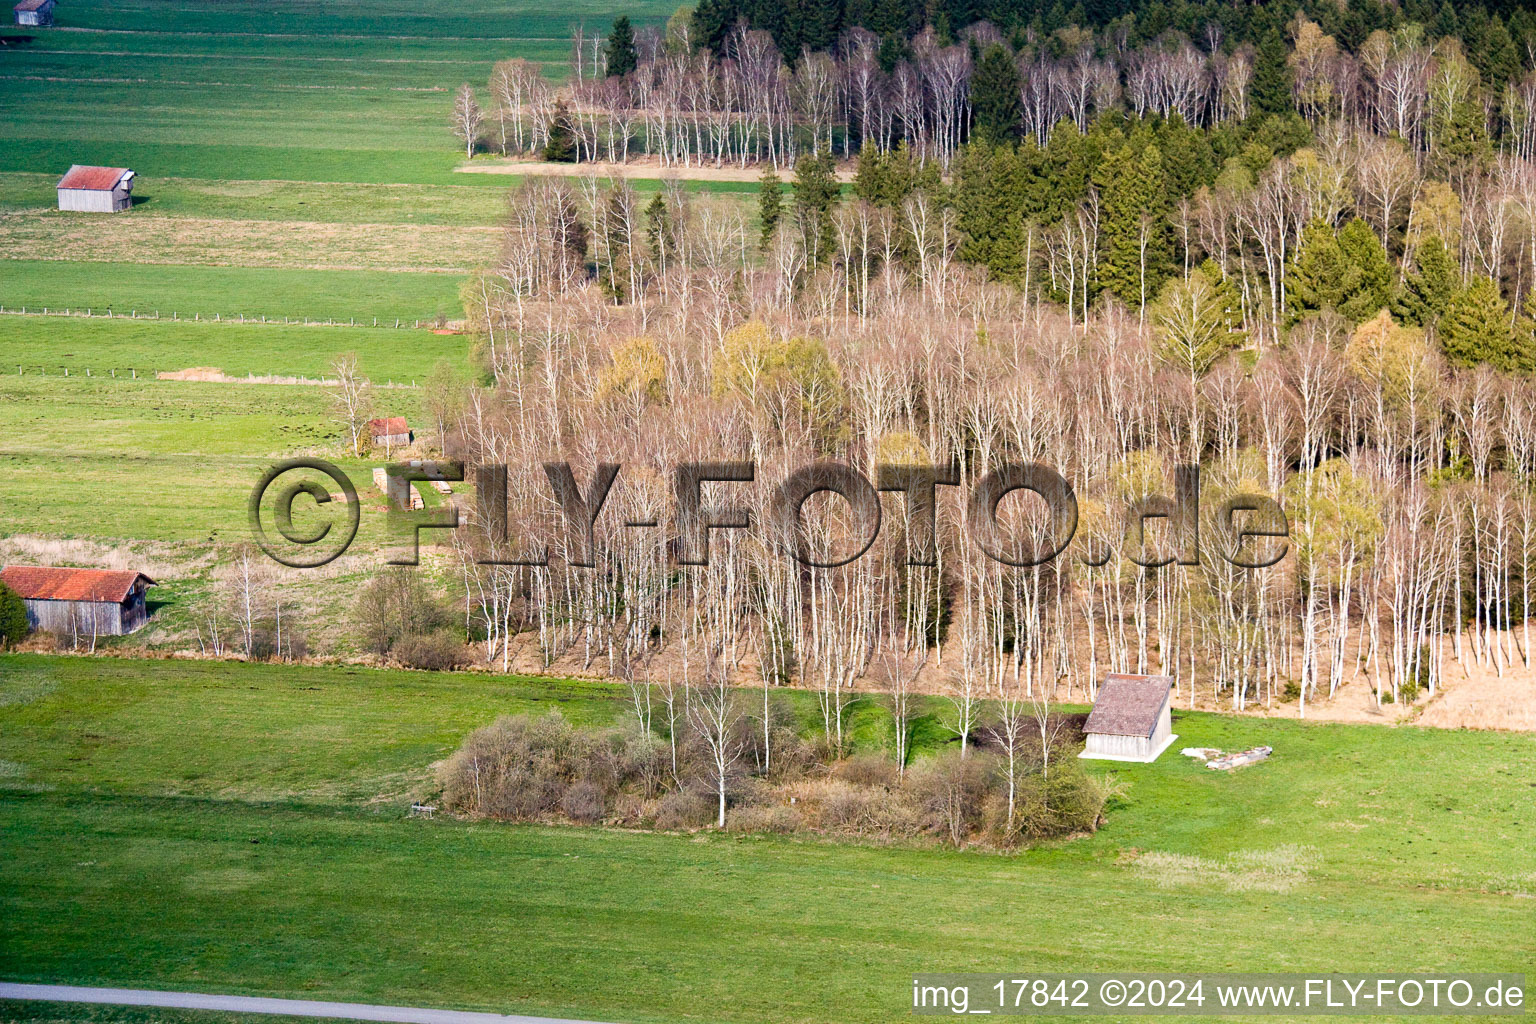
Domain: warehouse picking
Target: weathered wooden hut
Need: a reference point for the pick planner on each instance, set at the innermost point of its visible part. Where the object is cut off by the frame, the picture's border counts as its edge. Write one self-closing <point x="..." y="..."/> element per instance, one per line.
<point x="1131" y="719"/>
<point x="35" y="13"/>
<point x="390" y="432"/>
<point x="96" y="189"/>
<point x="106" y="602"/>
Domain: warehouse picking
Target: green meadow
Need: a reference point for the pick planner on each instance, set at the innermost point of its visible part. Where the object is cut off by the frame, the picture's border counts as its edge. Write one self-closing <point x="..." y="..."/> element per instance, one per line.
<point x="51" y="344"/>
<point x="160" y="460"/>
<point x="267" y="90"/>
<point x="188" y="291"/>
<point x="243" y="829"/>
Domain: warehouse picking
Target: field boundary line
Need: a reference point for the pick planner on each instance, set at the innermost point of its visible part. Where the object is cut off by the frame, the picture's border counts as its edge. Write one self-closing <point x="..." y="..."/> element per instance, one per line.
<point x="266" y="1004"/>
<point x="239" y="319"/>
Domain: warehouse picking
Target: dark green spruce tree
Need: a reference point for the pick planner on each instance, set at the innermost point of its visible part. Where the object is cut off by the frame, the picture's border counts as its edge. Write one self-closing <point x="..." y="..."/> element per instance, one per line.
<point x="1428" y="287"/>
<point x="816" y="191"/>
<point x="770" y="205"/>
<point x="995" y="106"/>
<point x="621" y="53"/>
<point x="1271" y="90"/>
<point x="1135" y="237"/>
<point x="1476" y="329"/>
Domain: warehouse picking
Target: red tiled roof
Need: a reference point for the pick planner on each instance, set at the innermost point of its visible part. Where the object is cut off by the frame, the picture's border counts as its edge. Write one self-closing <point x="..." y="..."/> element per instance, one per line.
<point x="47" y="583"/>
<point x="30" y="5"/>
<point x="391" y="425"/>
<point x="93" y="179"/>
<point x="1128" y="705"/>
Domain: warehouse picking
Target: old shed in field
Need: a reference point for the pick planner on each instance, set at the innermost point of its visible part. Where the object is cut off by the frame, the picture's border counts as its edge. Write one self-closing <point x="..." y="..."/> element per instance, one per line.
<point x="96" y="189"/>
<point x="35" y="13"/>
<point x="390" y="432"/>
<point x="105" y="602"/>
<point x="1131" y="719"/>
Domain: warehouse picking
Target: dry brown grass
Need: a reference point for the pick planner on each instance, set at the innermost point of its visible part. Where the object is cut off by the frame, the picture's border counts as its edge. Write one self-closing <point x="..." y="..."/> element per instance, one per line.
<point x="646" y="167"/>
<point x="1278" y="870"/>
<point x="155" y="559"/>
<point x="310" y="245"/>
<point x="1479" y="698"/>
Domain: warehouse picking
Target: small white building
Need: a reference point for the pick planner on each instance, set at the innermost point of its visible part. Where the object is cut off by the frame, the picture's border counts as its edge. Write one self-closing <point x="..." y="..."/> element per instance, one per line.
<point x="1131" y="719"/>
<point x="96" y="189"/>
<point x="36" y="13"/>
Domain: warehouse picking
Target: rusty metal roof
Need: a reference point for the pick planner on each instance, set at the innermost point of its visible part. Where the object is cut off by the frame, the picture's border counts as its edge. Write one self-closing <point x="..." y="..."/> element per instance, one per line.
<point x="1128" y="705"/>
<point x="93" y="179"/>
<point x="31" y="5"/>
<point x="390" y="425"/>
<point x="48" y="583"/>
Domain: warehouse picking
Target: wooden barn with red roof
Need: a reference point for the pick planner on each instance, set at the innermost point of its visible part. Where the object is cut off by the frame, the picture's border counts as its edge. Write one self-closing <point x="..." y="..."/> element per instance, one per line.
<point x="96" y="189"/>
<point x="103" y="602"/>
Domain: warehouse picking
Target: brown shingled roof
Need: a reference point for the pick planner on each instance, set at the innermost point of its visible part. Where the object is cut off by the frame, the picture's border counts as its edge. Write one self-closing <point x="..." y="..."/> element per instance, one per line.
<point x="1128" y="705"/>
<point x="391" y="425"/>
<point x="93" y="179"/>
<point x="47" y="583"/>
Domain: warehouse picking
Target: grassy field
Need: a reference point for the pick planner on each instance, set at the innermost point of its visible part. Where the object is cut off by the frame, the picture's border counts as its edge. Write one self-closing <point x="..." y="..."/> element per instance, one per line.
<point x="158" y="460"/>
<point x="230" y="291"/>
<point x="103" y="344"/>
<point x="141" y="846"/>
<point x="341" y="92"/>
<point x="466" y="205"/>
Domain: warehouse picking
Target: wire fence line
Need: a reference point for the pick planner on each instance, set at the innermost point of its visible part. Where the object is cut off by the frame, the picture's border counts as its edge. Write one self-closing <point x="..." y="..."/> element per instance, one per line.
<point x="147" y="373"/>
<point x="400" y="323"/>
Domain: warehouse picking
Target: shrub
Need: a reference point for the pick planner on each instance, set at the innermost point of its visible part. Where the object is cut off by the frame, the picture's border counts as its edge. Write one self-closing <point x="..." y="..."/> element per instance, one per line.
<point x="869" y="770"/>
<point x="764" y="818"/>
<point x="950" y="790"/>
<point x="530" y="769"/>
<point x="439" y="652"/>
<point x="685" y="809"/>
<point x="583" y="802"/>
<point x="13" y="617"/>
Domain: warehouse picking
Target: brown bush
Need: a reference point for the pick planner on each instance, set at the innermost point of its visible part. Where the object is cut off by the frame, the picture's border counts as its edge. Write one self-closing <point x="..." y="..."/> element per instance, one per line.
<point x="583" y="802"/>
<point x="764" y="818"/>
<point x="951" y="791"/>
<point x="686" y="809"/>
<point x="436" y="652"/>
<point x="530" y="769"/>
<point x="869" y="770"/>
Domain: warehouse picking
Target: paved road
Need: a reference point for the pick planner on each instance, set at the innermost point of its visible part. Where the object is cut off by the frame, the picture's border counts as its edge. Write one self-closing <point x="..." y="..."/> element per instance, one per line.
<point x="260" y="1004"/>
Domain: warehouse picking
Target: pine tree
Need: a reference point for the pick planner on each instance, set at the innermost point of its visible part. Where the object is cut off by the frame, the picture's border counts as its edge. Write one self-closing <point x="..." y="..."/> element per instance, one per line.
<point x="13" y="617"/>
<point x="621" y="53"/>
<point x="1271" y="89"/>
<point x="1476" y="329"/>
<point x="816" y="191"/>
<point x="658" y="229"/>
<point x="996" y="112"/>
<point x="1321" y="277"/>
<point x="1428" y="288"/>
<point x="561" y="147"/>
<point x="1136" y="243"/>
<point x="1373" y="283"/>
<point x="987" y="201"/>
<point x="770" y="204"/>
<point x="1196" y="322"/>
